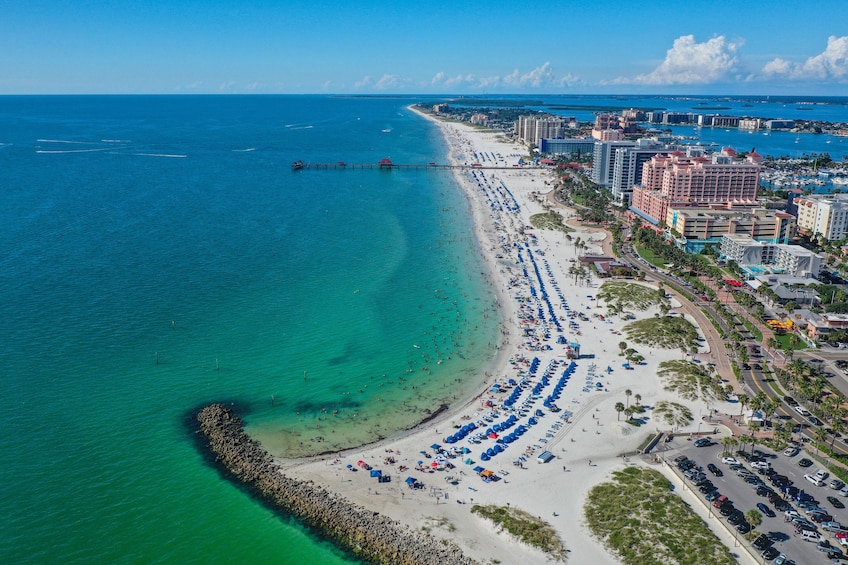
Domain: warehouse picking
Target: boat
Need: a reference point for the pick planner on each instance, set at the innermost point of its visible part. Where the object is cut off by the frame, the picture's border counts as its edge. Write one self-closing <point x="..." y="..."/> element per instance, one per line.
<point x="297" y="165"/>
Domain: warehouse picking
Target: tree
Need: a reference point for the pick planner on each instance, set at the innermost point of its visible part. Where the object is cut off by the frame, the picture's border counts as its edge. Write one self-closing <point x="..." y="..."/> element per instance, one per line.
<point x="638" y="398"/>
<point x="754" y="517"/>
<point x="743" y="402"/>
<point x="627" y="393"/>
<point x="629" y="411"/>
<point x="728" y="443"/>
<point x="821" y="438"/>
<point x="619" y="407"/>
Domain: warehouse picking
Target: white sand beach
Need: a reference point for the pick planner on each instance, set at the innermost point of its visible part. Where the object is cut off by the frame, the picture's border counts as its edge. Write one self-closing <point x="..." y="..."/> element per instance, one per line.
<point x="585" y="436"/>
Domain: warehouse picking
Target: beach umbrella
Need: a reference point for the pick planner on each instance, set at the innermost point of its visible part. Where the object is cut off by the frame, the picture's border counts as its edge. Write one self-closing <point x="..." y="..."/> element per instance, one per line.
<point x="434" y="464"/>
<point x="435" y="447"/>
<point x="493" y="435"/>
<point x="420" y="463"/>
<point x="411" y="480"/>
<point x="484" y="457"/>
<point x="465" y="450"/>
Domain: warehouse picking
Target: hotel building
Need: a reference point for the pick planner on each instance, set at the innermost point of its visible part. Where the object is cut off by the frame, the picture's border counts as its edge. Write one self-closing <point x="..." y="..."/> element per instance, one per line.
<point x="694" y="228"/>
<point x="825" y="215"/>
<point x="681" y="180"/>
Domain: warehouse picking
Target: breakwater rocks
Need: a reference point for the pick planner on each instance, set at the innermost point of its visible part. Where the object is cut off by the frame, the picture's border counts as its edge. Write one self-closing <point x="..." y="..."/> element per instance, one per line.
<point x="367" y="534"/>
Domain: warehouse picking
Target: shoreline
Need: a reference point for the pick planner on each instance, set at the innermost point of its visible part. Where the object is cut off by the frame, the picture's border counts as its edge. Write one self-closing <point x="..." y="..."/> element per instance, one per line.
<point x="585" y="437"/>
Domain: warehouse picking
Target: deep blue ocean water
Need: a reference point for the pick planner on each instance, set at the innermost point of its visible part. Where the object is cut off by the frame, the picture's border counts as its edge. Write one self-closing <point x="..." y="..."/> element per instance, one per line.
<point x="158" y="253"/>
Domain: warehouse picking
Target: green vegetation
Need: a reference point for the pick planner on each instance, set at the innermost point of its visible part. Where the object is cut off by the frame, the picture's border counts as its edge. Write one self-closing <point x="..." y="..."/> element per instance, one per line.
<point x="528" y="529"/>
<point x="620" y="297"/>
<point x="691" y="381"/>
<point x="673" y="413"/>
<point x="667" y="332"/>
<point x="639" y="518"/>
<point x="551" y="220"/>
<point x="650" y="257"/>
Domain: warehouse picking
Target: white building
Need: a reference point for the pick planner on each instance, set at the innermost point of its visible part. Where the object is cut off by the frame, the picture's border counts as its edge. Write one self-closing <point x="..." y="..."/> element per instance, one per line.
<point x="823" y="215"/>
<point x="756" y="256"/>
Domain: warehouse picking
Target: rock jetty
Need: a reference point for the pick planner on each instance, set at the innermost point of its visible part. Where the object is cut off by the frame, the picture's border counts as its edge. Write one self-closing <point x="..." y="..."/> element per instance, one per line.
<point x="365" y="533"/>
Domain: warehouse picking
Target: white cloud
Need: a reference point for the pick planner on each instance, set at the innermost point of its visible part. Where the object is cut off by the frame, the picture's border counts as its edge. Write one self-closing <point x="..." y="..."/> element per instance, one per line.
<point x="365" y="82"/>
<point x="689" y="62"/>
<point x="226" y="85"/>
<point x="832" y="63"/>
<point x="541" y="77"/>
<point x="327" y="84"/>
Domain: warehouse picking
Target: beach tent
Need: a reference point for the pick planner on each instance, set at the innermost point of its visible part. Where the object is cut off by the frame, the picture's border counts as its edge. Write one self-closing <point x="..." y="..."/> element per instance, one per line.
<point x="376" y="473"/>
<point x="436" y="447"/>
<point x="468" y="461"/>
<point x="479" y="470"/>
<point x="361" y="463"/>
<point x="411" y="481"/>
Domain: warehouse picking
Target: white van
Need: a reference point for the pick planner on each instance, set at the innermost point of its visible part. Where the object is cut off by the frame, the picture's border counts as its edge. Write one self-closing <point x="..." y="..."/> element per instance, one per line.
<point x="809" y="535"/>
<point x="545" y="456"/>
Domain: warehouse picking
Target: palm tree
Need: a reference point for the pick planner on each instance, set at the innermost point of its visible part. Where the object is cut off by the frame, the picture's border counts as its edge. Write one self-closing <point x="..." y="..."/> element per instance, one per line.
<point x="838" y="428"/>
<point x="754" y="517"/>
<point x="728" y="443"/>
<point x="638" y="398"/>
<point x="619" y="407"/>
<point x="627" y="393"/>
<point x="821" y="438"/>
<point x="743" y="402"/>
<point x="629" y="412"/>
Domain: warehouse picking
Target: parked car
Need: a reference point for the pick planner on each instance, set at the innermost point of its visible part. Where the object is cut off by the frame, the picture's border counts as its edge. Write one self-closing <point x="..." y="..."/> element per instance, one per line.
<point x="831" y="526"/>
<point x="734" y="461"/>
<point x="805" y="463"/>
<point x="790" y="401"/>
<point x="791" y="451"/>
<point x="815" y="480"/>
<point x="762" y="542"/>
<point x="802" y="411"/>
<point x="770" y="553"/>
<point x="836" y="484"/>
<point x="765" y="510"/>
<point x="703" y="442"/>
<point x="736" y="517"/>
<point x="780" y="504"/>
<point x="743" y="527"/>
<point x="727" y="509"/>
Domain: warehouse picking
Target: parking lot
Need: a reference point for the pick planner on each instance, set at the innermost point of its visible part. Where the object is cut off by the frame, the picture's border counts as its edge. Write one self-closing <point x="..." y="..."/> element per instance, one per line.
<point x="784" y="535"/>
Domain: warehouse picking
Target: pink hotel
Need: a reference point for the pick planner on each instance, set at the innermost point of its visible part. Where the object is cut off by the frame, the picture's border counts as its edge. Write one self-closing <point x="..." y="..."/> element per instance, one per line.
<point x="679" y="180"/>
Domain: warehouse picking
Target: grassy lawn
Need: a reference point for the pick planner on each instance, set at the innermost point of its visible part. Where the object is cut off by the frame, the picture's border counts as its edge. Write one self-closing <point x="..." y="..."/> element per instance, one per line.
<point x="648" y="256"/>
<point x="786" y="342"/>
<point x="641" y="520"/>
<point x="526" y="528"/>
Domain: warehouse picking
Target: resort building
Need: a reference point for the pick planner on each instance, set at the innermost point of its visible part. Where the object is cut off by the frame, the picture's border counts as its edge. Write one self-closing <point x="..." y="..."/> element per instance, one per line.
<point x="628" y="163"/>
<point x="603" y="161"/>
<point x="532" y="129"/>
<point x="683" y="180"/>
<point x="821" y="215"/>
<point x="757" y="257"/>
<point x="693" y="228"/>
<point x="576" y="147"/>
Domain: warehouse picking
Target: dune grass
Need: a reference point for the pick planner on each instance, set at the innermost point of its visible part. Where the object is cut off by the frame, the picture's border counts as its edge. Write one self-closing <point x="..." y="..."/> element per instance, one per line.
<point x="639" y="518"/>
<point x="525" y="527"/>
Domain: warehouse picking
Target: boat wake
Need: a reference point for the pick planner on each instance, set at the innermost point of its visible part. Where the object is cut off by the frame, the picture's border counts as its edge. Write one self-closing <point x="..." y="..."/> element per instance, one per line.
<point x="48" y="151"/>
<point x="171" y="155"/>
<point x="244" y="150"/>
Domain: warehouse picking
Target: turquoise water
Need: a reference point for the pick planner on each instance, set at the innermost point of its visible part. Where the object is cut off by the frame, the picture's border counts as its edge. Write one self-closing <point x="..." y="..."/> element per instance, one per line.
<point x="157" y="253"/>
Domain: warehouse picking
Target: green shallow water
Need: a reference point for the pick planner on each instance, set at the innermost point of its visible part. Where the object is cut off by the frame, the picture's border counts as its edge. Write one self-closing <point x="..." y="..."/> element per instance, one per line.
<point x="185" y="237"/>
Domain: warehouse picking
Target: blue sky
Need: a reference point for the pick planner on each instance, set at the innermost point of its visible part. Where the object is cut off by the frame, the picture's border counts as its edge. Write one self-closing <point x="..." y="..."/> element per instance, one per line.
<point x="382" y="47"/>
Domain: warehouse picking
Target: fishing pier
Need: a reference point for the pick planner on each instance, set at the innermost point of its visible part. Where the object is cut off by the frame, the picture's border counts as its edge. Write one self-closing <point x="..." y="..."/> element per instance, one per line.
<point x="388" y="165"/>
